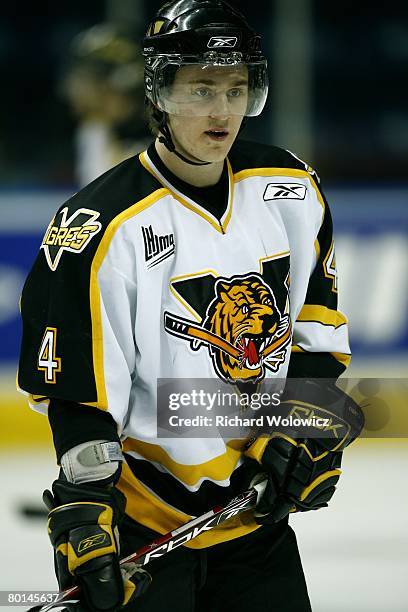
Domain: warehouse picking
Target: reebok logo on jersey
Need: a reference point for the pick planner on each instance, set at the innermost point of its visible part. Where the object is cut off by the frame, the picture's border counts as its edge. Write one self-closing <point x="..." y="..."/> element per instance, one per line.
<point x="285" y="191"/>
<point x="71" y="234"/>
<point x="222" y="41"/>
<point x="157" y="248"/>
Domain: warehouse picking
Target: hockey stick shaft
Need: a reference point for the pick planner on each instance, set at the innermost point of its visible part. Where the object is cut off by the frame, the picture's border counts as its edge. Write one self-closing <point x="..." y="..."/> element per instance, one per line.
<point x="179" y="327"/>
<point x="189" y="331"/>
<point x="178" y="537"/>
<point x="277" y="344"/>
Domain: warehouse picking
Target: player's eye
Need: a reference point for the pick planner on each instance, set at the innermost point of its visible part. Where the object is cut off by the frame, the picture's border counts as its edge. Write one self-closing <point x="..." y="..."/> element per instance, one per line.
<point x="268" y="301"/>
<point x="202" y="92"/>
<point x="235" y="93"/>
<point x="244" y="309"/>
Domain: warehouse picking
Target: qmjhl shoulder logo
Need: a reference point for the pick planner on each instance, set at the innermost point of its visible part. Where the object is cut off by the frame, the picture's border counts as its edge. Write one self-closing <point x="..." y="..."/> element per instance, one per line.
<point x="157" y="248"/>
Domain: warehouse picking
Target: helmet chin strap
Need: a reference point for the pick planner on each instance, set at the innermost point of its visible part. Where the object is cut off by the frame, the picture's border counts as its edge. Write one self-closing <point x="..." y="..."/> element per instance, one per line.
<point x="167" y="140"/>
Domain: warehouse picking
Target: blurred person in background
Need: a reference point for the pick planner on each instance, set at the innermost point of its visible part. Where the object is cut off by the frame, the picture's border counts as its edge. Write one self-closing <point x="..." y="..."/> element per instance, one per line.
<point x="103" y="85"/>
<point x="237" y="235"/>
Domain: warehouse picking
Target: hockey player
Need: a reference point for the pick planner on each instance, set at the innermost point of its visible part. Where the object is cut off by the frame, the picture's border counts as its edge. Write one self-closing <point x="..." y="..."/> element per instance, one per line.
<point x="206" y="232"/>
<point x="102" y="83"/>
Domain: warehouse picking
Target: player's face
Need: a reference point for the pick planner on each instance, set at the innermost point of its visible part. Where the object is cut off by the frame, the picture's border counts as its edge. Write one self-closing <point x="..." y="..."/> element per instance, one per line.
<point x="213" y="102"/>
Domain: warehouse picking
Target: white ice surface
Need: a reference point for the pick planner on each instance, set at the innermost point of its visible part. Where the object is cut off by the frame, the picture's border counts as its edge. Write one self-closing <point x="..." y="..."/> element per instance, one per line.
<point x="355" y="553"/>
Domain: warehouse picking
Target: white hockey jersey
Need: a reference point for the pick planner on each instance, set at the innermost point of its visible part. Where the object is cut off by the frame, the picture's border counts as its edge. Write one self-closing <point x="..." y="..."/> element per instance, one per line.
<point x="136" y="282"/>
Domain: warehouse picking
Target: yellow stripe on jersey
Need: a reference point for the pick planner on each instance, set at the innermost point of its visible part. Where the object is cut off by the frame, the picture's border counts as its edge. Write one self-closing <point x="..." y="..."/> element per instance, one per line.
<point x="343" y="358"/>
<point x="149" y="510"/>
<point x="220" y="227"/>
<point x="231" y="197"/>
<point x="97" y="333"/>
<point x="39" y="401"/>
<point x="294" y="173"/>
<point x="317" y="248"/>
<point x="217" y="469"/>
<point x="314" y="313"/>
<point x="34" y="401"/>
<point x="297" y="349"/>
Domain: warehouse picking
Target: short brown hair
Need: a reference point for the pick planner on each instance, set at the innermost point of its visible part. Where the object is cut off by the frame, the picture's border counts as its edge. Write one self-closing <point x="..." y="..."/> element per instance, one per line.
<point x="153" y="117"/>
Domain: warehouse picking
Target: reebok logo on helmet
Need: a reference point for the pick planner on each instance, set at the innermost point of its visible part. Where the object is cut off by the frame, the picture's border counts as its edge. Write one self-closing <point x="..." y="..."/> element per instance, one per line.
<point x="217" y="42"/>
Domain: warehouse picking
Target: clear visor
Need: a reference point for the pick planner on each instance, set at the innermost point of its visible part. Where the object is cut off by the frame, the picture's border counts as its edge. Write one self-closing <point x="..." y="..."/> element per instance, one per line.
<point x="203" y="90"/>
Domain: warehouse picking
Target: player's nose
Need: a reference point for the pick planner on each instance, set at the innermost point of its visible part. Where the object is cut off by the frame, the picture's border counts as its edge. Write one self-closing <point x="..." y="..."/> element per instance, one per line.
<point x="220" y="109"/>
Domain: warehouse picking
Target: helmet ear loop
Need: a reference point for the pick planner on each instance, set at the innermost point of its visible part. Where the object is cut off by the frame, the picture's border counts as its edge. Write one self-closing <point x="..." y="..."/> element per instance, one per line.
<point x="160" y="118"/>
<point x="243" y="124"/>
<point x="167" y="140"/>
<point x="166" y="137"/>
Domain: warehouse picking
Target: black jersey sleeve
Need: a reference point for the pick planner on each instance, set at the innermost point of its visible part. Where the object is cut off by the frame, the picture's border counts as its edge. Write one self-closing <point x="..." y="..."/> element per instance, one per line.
<point x="56" y="353"/>
<point x="71" y="425"/>
<point x="79" y="298"/>
<point x="320" y="341"/>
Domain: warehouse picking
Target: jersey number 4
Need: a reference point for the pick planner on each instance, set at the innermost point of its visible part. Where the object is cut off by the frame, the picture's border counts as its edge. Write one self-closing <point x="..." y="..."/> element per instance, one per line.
<point x="329" y="267"/>
<point x="48" y="362"/>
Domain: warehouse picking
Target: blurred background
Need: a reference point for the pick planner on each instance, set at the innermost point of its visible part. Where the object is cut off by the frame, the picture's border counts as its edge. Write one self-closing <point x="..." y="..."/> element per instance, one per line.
<point x="71" y="106"/>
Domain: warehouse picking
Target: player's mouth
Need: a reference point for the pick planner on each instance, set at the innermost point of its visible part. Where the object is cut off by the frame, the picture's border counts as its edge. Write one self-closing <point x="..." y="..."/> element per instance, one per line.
<point x="251" y="348"/>
<point x="217" y="134"/>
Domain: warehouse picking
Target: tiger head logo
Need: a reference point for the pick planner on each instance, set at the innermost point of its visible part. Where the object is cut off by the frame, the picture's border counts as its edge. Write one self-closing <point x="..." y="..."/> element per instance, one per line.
<point x="244" y="313"/>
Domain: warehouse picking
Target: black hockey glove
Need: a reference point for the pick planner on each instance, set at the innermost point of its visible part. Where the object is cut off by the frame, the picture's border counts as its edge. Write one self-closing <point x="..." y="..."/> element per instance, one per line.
<point x="83" y="528"/>
<point x="303" y="471"/>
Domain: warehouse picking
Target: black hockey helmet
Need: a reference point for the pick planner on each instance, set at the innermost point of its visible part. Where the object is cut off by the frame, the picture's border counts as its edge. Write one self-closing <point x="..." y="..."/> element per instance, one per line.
<point x="195" y="26"/>
<point x="204" y="33"/>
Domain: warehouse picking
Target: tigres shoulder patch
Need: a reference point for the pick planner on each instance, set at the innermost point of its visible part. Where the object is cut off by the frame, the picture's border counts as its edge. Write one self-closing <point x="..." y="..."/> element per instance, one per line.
<point x="71" y="234"/>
